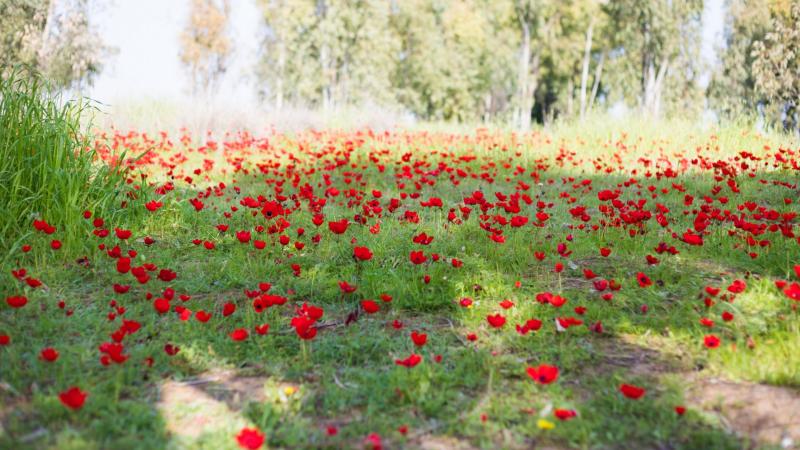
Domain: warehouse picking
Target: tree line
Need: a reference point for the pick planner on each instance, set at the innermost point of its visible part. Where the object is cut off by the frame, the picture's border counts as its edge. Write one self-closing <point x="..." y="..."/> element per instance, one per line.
<point x="501" y="61"/>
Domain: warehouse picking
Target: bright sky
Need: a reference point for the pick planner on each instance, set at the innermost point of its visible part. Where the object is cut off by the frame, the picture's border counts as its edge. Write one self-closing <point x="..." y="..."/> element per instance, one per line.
<point x="146" y="36"/>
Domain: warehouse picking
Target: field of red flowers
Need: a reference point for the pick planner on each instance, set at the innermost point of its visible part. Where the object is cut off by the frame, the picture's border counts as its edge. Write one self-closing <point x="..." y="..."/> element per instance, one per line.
<point x="414" y="290"/>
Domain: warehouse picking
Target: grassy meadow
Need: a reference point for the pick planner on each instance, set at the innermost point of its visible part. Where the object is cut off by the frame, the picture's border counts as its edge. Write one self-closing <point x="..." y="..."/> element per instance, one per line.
<point x="606" y="285"/>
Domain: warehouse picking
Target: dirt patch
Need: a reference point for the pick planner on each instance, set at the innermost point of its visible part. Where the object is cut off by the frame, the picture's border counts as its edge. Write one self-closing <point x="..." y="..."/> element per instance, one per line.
<point x="763" y="413"/>
<point x="189" y="412"/>
<point x="622" y="354"/>
<point x="441" y="442"/>
<point x="207" y="404"/>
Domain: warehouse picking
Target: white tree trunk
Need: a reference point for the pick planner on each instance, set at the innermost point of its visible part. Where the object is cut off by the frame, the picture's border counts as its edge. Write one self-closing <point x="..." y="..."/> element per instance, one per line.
<point x="587" y="53"/>
<point x="523" y="77"/>
<point x="598" y="73"/>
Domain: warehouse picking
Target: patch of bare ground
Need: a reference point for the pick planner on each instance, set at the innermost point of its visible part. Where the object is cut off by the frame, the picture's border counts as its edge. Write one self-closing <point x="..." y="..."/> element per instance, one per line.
<point x="621" y="353"/>
<point x="441" y="442"/>
<point x="195" y="407"/>
<point x="763" y="413"/>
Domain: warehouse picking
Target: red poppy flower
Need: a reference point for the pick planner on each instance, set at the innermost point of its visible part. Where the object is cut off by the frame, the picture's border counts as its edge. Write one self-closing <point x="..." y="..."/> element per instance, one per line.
<point x="417" y="257"/>
<point x="565" y="414"/>
<point x="793" y="291"/>
<point x="121" y="289"/>
<point x="239" y="334"/>
<point x="632" y="392"/>
<point x="711" y="341"/>
<point x="346" y="287"/>
<point x="5" y="339"/>
<point x="338" y="227"/>
<point x="362" y="253"/>
<point x="370" y="306"/>
<point x="496" y="320"/>
<point x="49" y="354"/>
<point x="228" y="309"/>
<point x="304" y="327"/>
<point x="171" y="350"/>
<point x="419" y="339"/>
<point x="737" y="287"/>
<point x="692" y="239"/>
<point x="250" y="438"/>
<point x="374" y="441"/>
<point x="17" y="301"/>
<point x="643" y="280"/>
<point x="530" y="325"/>
<point x="167" y="275"/>
<point x="73" y="398"/>
<point x="153" y="205"/>
<point x="409" y="362"/>
<point x="161" y="305"/>
<point x="557" y="301"/>
<point x="543" y="374"/>
<point x="680" y="410"/>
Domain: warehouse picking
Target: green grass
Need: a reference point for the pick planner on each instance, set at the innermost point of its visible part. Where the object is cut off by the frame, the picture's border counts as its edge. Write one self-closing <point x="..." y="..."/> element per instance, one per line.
<point x="47" y="166"/>
<point x="479" y="394"/>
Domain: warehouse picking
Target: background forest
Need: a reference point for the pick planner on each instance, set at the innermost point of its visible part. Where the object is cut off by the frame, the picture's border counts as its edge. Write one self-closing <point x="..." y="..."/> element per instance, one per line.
<point x="504" y="62"/>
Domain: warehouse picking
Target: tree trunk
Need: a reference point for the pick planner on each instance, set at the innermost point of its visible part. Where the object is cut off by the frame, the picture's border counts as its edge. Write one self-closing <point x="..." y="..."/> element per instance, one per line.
<point x="324" y="59"/>
<point x="281" y="75"/>
<point x="596" y="85"/>
<point x="523" y="75"/>
<point x="571" y="97"/>
<point x="658" y="87"/>
<point x="648" y="88"/>
<point x="587" y="53"/>
<point x="532" y="84"/>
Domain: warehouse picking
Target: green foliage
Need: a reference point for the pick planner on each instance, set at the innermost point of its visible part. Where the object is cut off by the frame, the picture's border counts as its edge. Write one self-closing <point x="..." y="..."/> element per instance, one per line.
<point x="655" y="47"/>
<point x="328" y="53"/>
<point x="205" y="45"/>
<point x="56" y="38"/>
<point x="732" y="90"/>
<point x="46" y="170"/>
<point x="19" y="19"/>
<point x="776" y="67"/>
<point x="759" y="72"/>
<point x="457" y="58"/>
<point x="468" y="60"/>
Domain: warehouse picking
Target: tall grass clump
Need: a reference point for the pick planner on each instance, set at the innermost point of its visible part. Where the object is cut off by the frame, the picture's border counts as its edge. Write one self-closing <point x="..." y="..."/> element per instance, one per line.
<point x="47" y="166"/>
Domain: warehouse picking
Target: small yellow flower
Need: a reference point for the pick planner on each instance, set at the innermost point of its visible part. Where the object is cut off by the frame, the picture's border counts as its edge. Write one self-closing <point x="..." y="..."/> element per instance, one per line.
<point x="289" y="390"/>
<point x="545" y="424"/>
